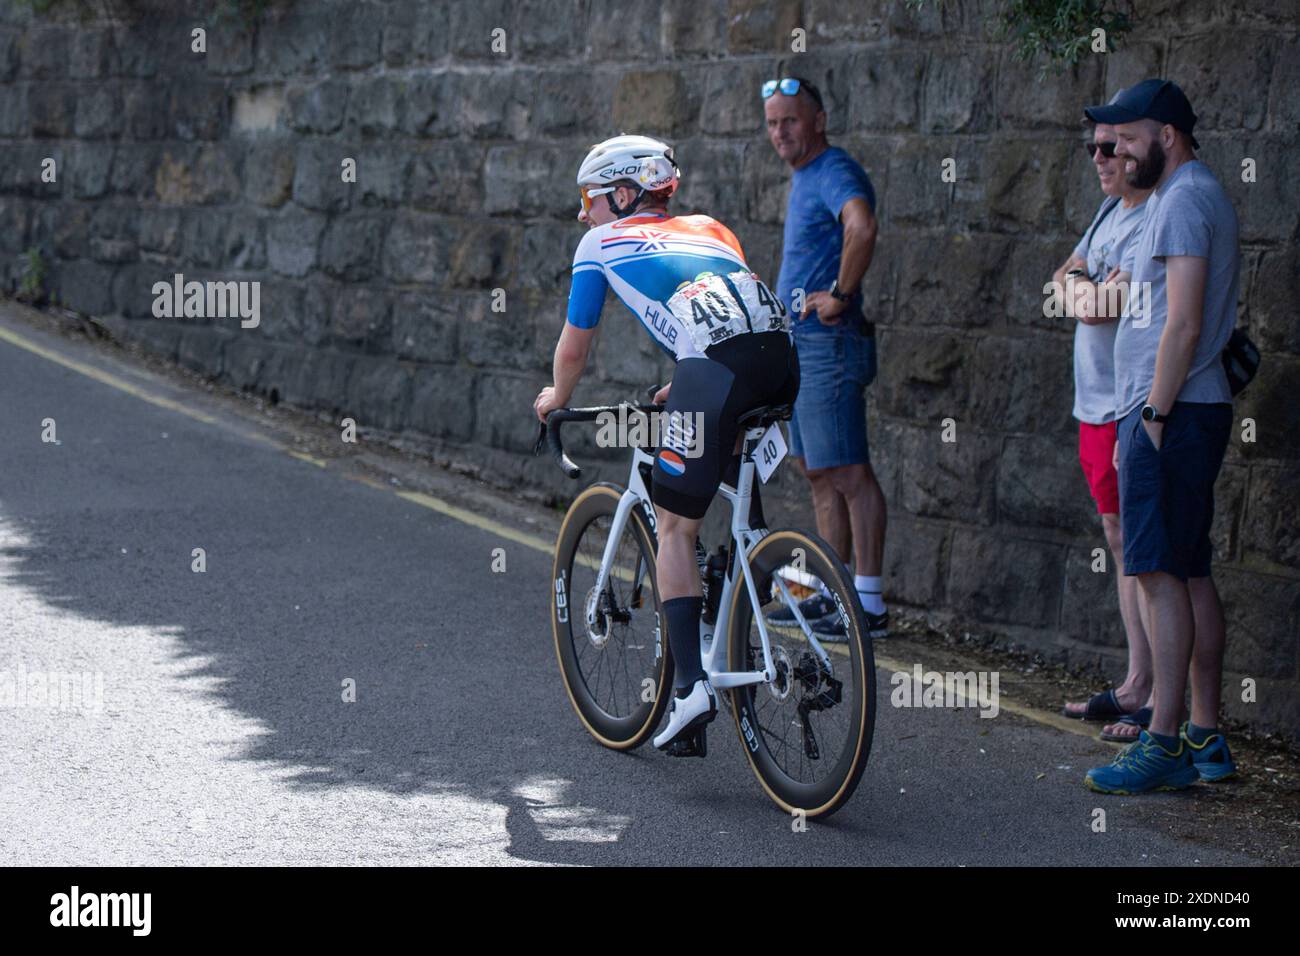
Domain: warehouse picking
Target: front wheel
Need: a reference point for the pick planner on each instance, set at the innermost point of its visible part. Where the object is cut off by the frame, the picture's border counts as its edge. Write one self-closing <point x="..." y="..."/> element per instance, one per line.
<point x="808" y="733"/>
<point x="609" y="643"/>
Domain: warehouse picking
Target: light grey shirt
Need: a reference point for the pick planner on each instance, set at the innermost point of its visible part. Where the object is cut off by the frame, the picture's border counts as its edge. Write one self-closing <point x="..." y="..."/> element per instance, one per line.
<point x="1190" y="215"/>
<point x="1102" y="247"/>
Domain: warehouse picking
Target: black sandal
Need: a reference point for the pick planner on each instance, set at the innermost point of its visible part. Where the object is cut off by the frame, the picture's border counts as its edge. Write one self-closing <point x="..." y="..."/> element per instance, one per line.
<point x="1139" y="718"/>
<point x="1103" y="707"/>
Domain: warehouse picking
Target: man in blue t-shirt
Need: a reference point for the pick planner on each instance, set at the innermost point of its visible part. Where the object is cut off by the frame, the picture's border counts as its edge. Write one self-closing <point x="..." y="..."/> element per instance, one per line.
<point x="830" y="233"/>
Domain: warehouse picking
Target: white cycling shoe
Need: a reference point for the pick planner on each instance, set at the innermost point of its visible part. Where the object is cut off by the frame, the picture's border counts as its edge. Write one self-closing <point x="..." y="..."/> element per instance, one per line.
<point x="684" y="736"/>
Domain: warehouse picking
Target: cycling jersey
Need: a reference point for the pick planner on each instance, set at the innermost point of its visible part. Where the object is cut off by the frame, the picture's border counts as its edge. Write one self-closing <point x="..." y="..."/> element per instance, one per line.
<point x="683" y="277"/>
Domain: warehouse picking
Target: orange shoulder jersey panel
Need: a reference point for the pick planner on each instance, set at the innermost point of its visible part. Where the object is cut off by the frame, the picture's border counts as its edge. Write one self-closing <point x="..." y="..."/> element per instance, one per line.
<point x="688" y="226"/>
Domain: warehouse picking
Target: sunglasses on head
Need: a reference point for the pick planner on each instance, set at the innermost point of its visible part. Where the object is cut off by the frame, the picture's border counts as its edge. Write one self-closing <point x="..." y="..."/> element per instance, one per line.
<point x="1107" y="149"/>
<point x="789" y="87"/>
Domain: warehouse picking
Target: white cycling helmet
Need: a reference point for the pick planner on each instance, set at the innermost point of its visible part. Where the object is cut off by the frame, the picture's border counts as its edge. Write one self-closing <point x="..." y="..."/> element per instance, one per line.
<point x="647" y="162"/>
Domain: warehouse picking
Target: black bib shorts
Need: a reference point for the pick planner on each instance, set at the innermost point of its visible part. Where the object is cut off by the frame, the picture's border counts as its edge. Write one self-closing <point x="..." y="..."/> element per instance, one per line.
<point x="709" y="395"/>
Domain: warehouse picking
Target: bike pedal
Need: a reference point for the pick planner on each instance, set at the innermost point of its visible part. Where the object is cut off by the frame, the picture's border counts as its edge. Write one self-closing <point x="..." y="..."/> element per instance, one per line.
<point x="692" y="745"/>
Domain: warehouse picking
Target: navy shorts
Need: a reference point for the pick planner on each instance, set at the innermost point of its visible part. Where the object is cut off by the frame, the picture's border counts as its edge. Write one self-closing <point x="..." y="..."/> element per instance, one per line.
<point x="829" y="428"/>
<point x="1166" y="497"/>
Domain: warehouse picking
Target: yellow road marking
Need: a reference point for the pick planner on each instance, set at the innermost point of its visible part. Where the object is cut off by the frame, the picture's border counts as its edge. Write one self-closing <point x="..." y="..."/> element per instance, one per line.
<point x="1058" y="721"/>
<point x="477" y="521"/>
<point x="99" y="375"/>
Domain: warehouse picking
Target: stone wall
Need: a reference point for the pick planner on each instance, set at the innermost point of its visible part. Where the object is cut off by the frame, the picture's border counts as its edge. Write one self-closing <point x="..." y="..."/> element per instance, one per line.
<point x="376" y="295"/>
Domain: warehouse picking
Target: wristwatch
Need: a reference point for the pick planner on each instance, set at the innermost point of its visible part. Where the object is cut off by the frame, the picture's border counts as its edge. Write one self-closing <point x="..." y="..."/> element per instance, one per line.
<point x="837" y="294"/>
<point x="1149" y="414"/>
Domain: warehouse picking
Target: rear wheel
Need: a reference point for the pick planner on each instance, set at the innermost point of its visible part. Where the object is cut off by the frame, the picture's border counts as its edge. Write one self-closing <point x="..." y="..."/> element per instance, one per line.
<point x="609" y="644"/>
<point x="808" y="733"/>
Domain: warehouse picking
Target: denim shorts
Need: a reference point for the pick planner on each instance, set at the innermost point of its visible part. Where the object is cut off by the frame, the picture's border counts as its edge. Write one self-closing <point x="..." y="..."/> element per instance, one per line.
<point x="1166" y="497"/>
<point x="829" y="427"/>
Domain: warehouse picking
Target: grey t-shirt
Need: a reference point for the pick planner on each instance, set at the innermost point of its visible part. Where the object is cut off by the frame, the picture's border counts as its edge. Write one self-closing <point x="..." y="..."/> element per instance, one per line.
<point x="1190" y="215"/>
<point x="1102" y="247"/>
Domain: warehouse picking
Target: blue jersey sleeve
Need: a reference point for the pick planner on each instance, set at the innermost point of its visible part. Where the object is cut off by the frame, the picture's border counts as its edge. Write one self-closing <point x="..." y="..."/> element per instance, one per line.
<point x="586" y="298"/>
<point x="842" y="180"/>
<point x="588" y="286"/>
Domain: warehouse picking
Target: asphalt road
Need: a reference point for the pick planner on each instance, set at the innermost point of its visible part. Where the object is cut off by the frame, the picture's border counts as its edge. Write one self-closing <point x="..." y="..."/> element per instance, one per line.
<point x="223" y="736"/>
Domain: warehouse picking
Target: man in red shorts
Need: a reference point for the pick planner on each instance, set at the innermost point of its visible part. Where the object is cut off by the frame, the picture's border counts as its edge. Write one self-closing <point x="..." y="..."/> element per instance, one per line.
<point x="1093" y="304"/>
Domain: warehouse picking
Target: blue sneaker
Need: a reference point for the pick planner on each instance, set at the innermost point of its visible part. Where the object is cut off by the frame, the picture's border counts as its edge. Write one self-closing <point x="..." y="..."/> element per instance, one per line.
<point x="1211" y="759"/>
<point x="1144" y="766"/>
<point x="812" y="608"/>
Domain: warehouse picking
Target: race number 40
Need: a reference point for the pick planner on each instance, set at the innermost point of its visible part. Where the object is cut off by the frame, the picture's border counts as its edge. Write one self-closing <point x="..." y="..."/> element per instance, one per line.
<point x="771" y="449"/>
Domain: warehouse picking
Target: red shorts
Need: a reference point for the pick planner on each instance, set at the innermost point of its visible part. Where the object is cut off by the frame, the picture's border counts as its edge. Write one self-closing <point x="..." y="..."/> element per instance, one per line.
<point x="1096" y="455"/>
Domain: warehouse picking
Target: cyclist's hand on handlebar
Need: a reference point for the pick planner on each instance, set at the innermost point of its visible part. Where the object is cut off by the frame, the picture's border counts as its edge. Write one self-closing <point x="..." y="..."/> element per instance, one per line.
<point x="546" y="402"/>
<point x="661" y="396"/>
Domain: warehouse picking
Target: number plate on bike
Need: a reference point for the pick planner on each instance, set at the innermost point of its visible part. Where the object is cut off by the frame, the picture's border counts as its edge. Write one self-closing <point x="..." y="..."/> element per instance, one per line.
<point x="771" y="449"/>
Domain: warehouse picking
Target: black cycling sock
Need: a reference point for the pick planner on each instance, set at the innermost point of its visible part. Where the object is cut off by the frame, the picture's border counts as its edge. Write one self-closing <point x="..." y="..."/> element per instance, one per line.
<point x="683" y="620"/>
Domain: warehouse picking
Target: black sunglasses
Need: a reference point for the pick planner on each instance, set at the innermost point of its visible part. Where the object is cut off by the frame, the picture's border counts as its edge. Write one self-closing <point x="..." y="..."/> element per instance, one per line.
<point x="1107" y="149"/>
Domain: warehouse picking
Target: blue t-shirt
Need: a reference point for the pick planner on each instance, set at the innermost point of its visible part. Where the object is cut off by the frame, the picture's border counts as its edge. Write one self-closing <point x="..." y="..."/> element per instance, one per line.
<point x="814" y="236"/>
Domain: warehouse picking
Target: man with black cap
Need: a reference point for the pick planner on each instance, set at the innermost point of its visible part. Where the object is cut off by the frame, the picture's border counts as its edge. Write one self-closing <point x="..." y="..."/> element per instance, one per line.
<point x="1174" y="409"/>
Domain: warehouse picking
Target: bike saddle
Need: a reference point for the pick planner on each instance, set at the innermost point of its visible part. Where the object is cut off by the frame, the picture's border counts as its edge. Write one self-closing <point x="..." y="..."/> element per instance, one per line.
<point x="765" y="415"/>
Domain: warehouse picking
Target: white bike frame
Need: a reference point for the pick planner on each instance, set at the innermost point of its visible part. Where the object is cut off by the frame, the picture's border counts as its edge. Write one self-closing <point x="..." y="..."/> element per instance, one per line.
<point x="712" y="653"/>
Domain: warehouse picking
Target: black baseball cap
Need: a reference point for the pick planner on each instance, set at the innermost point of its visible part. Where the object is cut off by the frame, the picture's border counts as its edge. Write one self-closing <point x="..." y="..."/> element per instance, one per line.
<point x="1160" y="100"/>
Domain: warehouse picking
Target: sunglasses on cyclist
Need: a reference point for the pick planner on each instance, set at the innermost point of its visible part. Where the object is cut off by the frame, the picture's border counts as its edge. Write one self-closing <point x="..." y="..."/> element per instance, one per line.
<point x="589" y="193"/>
<point x="789" y="87"/>
<point x="1107" y="149"/>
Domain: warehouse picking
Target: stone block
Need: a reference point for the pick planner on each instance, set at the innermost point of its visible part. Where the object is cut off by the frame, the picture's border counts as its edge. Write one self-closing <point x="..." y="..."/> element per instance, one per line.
<point x="762" y="26"/>
<point x="425" y="328"/>
<point x="443" y="402"/>
<point x="1090" y="599"/>
<point x="1024" y="184"/>
<point x="484" y="256"/>
<point x="82" y="285"/>
<point x="1271" y="401"/>
<point x="269" y="170"/>
<point x="915" y="562"/>
<point x="350" y="247"/>
<point x="1005" y="580"/>
<point x="362" y="318"/>
<point x="956" y="92"/>
<point x="1271" y="527"/>
<point x="503" y="411"/>
<point x="1024" y="384"/>
<point x="1040" y="485"/>
<point x="1055" y="103"/>
<point x="658" y="102"/>
<point x="957" y="280"/>
<point x="950" y="480"/>
<point x="693" y="29"/>
<point x="292" y="240"/>
<point x="52" y="109"/>
<point x="885" y="90"/>
<point x="414" y="32"/>
<point x="1223" y="74"/>
<point x="89" y="169"/>
<point x="1262" y="614"/>
<point x="615" y="36"/>
<point x="416" y="249"/>
<point x="318" y="176"/>
<point x="322" y="107"/>
<point x="1274" y="297"/>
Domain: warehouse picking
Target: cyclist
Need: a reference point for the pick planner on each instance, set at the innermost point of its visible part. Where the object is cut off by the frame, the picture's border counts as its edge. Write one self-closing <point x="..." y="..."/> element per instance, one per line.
<point x="686" y="281"/>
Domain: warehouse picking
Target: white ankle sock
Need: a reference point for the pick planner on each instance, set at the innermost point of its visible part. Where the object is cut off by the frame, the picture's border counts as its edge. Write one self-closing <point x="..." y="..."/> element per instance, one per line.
<point x="869" y="593"/>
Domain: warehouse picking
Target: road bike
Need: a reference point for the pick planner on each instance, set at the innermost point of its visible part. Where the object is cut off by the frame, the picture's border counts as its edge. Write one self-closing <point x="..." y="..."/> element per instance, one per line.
<point x="803" y="707"/>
